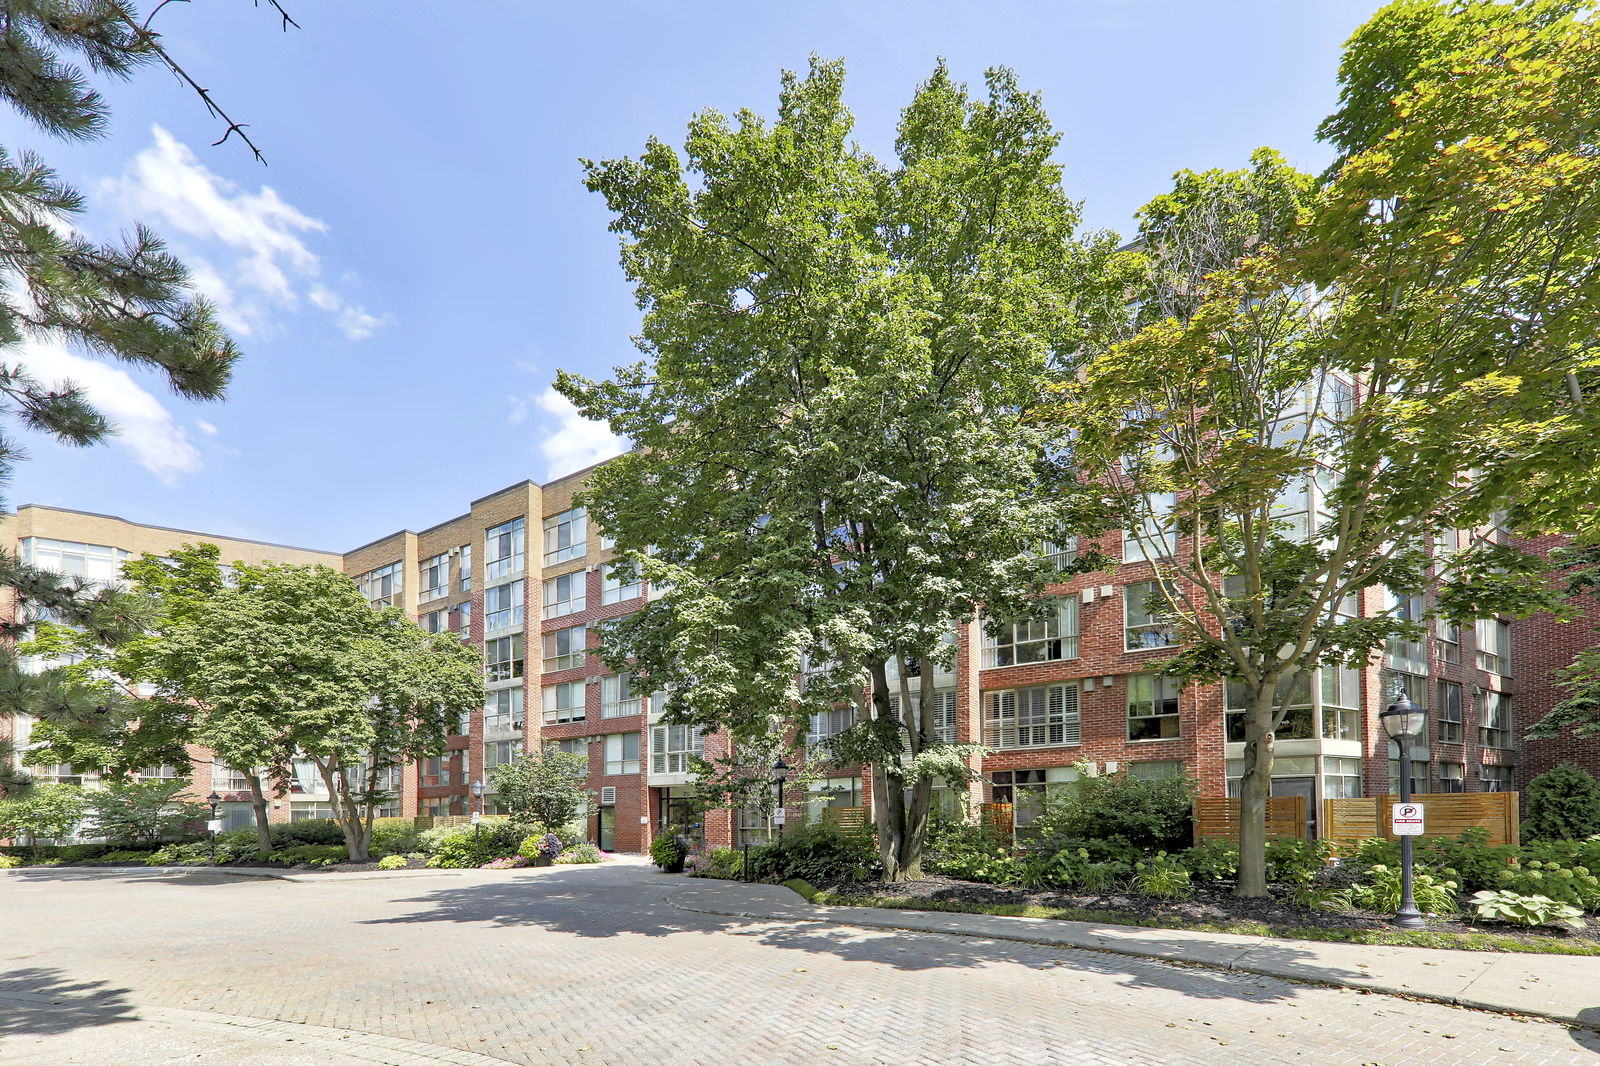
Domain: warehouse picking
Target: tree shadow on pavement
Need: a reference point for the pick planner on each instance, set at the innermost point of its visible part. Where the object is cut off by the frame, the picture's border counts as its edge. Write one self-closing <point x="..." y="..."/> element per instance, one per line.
<point x="198" y="875"/>
<point x="41" y="1001"/>
<point x="608" y="906"/>
<point x="1588" y="1039"/>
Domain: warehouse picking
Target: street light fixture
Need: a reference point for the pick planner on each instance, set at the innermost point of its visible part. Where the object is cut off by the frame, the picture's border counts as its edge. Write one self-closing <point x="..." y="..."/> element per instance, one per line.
<point x="780" y="774"/>
<point x="1404" y="721"/>
<point x="211" y="826"/>
<point x="476" y="788"/>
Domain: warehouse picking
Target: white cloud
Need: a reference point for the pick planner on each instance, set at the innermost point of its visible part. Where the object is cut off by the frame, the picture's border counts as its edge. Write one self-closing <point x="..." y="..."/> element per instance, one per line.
<point x="205" y="427"/>
<point x="144" y="428"/>
<point x="572" y="442"/>
<point x="268" y="265"/>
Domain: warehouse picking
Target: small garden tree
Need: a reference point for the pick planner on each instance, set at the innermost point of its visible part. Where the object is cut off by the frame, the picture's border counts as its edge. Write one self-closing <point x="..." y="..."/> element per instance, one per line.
<point x="141" y="812"/>
<point x="45" y="812"/>
<point x="1563" y="804"/>
<point x="544" y="788"/>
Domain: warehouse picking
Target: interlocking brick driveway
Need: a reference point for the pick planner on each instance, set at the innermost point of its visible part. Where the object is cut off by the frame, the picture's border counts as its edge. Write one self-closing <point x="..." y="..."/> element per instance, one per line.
<point x="596" y="965"/>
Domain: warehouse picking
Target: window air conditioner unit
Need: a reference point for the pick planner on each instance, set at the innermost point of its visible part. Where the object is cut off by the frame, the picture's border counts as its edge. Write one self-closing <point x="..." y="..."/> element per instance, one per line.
<point x="608" y="796"/>
<point x="517" y="724"/>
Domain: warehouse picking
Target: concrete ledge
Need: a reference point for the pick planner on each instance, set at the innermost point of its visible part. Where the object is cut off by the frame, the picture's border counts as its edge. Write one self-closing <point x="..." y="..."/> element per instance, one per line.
<point x="298" y="877"/>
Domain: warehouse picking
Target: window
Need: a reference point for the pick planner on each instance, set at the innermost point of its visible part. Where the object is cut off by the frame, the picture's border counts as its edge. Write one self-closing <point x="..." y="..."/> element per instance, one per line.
<point x="564" y="702"/>
<point x="566" y="536"/>
<point x="435" y="621"/>
<point x="618" y="698"/>
<point x="1452" y="777"/>
<point x="1449" y="713"/>
<point x="825" y="725"/>
<point x="572" y="746"/>
<point x="566" y="594"/>
<point x="1042" y="716"/>
<point x="159" y="773"/>
<point x="1156" y="533"/>
<point x="1023" y="789"/>
<point x="1449" y="642"/>
<point x="1405" y="652"/>
<point x="464" y="618"/>
<point x="1341" y="702"/>
<point x="224" y="778"/>
<point x="96" y="562"/>
<point x="563" y="649"/>
<point x="831" y="792"/>
<point x="671" y="746"/>
<point x="1038" y="641"/>
<point x="622" y="753"/>
<point x="1152" y="707"/>
<point x="383" y="587"/>
<point x="466" y="568"/>
<point x="500" y="753"/>
<point x="1296" y="724"/>
<point x="502" y="710"/>
<point x="1155" y="769"/>
<point x="434" y="578"/>
<point x="1414" y="686"/>
<point x="613" y="590"/>
<point x="1419" y="776"/>
<point x="1495" y="731"/>
<point x="1059" y="554"/>
<point x="944" y="712"/>
<point x="502" y="606"/>
<point x="1341" y="777"/>
<point x="434" y="772"/>
<point x="502" y="658"/>
<point x="1144" y="624"/>
<point x="1494" y="646"/>
<point x="503" y="549"/>
<point x="1497" y="778"/>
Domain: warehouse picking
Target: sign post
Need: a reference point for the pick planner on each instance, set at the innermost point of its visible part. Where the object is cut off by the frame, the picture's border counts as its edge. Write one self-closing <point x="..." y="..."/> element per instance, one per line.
<point x="1406" y="819"/>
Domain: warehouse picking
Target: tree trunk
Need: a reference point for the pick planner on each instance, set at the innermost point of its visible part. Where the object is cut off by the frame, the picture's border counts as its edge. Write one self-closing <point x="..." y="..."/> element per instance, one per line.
<point x="1254" y="788"/>
<point x="258" y="804"/>
<point x="344" y="812"/>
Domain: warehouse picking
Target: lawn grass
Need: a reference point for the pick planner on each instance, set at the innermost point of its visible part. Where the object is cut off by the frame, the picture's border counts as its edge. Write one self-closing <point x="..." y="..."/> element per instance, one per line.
<point x="1533" y="945"/>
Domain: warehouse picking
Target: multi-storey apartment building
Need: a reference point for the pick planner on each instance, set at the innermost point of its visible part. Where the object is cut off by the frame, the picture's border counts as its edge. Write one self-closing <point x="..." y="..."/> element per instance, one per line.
<point x="526" y="577"/>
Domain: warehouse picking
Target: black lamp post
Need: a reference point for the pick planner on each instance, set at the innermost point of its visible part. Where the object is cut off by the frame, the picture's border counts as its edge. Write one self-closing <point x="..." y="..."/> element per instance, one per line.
<point x="476" y="788"/>
<point x="211" y="829"/>
<point x="780" y="774"/>
<point x="1404" y="721"/>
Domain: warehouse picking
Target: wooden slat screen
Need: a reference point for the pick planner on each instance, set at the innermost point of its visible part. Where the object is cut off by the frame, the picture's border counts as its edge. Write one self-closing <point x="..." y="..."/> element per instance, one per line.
<point x="997" y="816"/>
<point x="1218" y="818"/>
<point x="1445" y="814"/>
<point x="848" y="819"/>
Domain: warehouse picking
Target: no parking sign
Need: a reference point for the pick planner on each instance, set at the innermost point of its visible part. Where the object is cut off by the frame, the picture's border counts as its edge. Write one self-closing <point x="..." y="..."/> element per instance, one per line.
<point x="1405" y="820"/>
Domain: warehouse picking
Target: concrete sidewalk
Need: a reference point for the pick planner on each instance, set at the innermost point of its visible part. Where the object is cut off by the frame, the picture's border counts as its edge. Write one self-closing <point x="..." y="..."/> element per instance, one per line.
<point x="1563" y="988"/>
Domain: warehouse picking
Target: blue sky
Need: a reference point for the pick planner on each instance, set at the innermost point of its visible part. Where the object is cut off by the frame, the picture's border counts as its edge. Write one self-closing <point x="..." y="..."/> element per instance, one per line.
<point x="420" y="256"/>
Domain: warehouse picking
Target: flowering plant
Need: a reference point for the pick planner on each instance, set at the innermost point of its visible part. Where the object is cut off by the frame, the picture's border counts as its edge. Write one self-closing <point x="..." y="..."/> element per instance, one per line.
<point x="508" y="862"/>
<point x="549" y="845"/>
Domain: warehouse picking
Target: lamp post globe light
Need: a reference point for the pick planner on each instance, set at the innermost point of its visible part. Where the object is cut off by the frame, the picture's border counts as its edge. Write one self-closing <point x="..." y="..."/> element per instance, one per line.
<point x="1404" y="721"/>
<point x="780" y="774"/>
<point x="211" y="830"/>
<point x="476" y="788"/>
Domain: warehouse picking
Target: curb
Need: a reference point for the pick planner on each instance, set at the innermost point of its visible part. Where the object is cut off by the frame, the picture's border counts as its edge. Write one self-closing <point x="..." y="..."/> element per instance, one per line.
<point x="223" y="871"/>
<point x="1105" y="945"/>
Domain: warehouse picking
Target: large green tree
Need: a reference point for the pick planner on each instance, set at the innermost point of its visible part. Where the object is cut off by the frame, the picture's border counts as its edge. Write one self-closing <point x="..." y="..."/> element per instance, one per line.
<point x="1326" y="383"/>
<point x="291" y="662"/>
<point x="835" y="463"/>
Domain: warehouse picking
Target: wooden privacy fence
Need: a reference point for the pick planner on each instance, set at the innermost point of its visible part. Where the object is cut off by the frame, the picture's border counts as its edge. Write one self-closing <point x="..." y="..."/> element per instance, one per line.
<point x="1218" y="819"/>
<point x="997" y="817"/>
<point x="433" y="821"/>
<point x="1445" y="814"/>
<point x="848" y="819"/>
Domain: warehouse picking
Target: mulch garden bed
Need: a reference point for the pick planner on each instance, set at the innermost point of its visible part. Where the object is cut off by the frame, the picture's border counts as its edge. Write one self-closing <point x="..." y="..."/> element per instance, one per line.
<point x="1209" y="904"/>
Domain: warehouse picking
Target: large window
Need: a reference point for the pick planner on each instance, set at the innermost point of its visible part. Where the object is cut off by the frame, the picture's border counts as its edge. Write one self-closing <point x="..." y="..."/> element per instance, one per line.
<point x="1152" y="707"/>
<point x="1494" y="646"/>
<point x="1495" y="731"/>
<point x="1449" y="642"/>
<point x="383" y="587"/>
<point x="502" y="710"/>
<point x="464" y="618"/>
<point x="1406" y="607"/>
<point x="1039" y="641"/>
<point x="1341" y="777"/>
<point x="1144" y="622"/>
<point x="1041" y="716"/>
<point x="944" y="712"/>
<point x="622" y="753"/>
<point x="618" y="698"/>
<point x="500" y="752"/>
<point x="503" y="550"/>
<point x="1156" y="538"/>
<point x="1296" y="724"/>
<point x="224" y="778"/>
<point x="566" y="594"/>
<point x="614" y="590"/>
<point x="825" y="725"/>
<point x="1059" y="554"/>
<point x="1452" y="777"/>
<point x="1449" y="713"/>
<point x="564" y="648"/>
<point x="434" y="578"/>
<point x="466" y="568"/>
<point x="502" y="606"/>
<point x="1341" y="702"/>
<point x="566" y="536"/>
<point x="564" y="703"/>
<point x="1497" y="778"/>
<point x="671" y="747"/>
<point x="1023" y="789"/>
<point x="503" y="658"/>
<point x="96" y="562"/>
<point x="434" y="621"/>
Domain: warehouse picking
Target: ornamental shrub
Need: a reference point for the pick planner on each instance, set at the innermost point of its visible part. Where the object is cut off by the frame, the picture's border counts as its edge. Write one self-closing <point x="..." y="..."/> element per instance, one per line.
<point x="1213" y="860"/>
<point x="668" y="852"/>
<point x="1525" y="910"/>
<point x="1146" y="815"/>
<point x="821" y="854"/>
<point x="393" y="862"/>
<point x="1161" y="877"/>
<point x="1562" y="804"/>
<point x="1575" y="885"/>
<point x="1469" y="858"/>
<point x="581" y="854"/>
<point x="1381" y="891"/>
<point x="307" y="831"/>
<point x="9" y="862"/>
<point x="1295" y="862"/>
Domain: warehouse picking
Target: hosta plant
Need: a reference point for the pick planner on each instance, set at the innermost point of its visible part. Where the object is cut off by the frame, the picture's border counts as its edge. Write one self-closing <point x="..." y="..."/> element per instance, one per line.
<point x="1504" y="906"/>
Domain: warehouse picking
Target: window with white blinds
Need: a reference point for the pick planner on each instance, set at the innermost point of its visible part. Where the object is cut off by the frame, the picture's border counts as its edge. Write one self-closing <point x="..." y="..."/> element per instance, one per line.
<point x="671" y="746"/>
<point x="944" y="713"/>
<point x="828" y="724"/>
<point x="1037" y="717"/>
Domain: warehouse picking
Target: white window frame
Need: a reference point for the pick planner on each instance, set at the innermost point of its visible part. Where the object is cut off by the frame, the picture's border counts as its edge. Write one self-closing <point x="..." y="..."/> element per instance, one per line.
<point x="1154" y="698"/>
<point x="508" y="616"/>
<point x="613" y="591"/>
<point x="1038" y="716"/>
<point x="504" y="657"/>
<point x="1044" y="640"/>
<point x="433" y="578"/>
<point x="618" y="698"/>
<point x="671" y="747"/>
<point x="505" y="549"/>
<point x="384" y="586"/>
<point x="576" y="585"/>
<point x="617" y="760"/>
<point x="566" y="649"/>
<point x="564" y="702"/>
<point x="566" y="536"/>
<point x="1134" y="598"/>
